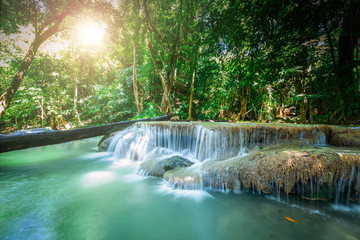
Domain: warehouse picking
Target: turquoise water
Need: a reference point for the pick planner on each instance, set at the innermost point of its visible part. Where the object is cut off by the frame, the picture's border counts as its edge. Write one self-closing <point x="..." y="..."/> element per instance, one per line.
<point x="69" y="191"/>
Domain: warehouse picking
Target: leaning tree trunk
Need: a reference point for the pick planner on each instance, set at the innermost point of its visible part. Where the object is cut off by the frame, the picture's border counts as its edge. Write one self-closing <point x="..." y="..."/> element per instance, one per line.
<point x="41" y="36"/>
<point x="9" y="93"/>
<point x="35" y="139"/>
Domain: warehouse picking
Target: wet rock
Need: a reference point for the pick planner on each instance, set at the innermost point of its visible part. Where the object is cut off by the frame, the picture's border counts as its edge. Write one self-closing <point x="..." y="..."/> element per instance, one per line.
<point x="339" y="136"/>
<point x="157" y="167"/>
<point x="279" y="157"/>
<point x="184" y="178"/>
<point x="303" y="169"/>
<point x="105" y="141"/>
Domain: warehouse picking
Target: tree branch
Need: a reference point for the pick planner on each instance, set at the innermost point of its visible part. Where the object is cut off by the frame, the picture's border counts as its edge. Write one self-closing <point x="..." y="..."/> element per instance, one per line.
<point x="55" y="28"/>
<point x="63" y="29"/>
<point x="61" y="16"/>
<point x="36" y="20"/>
<point x="160" y="36"/>
<point x="151" y="49"/>
<point x="125" y="9"/>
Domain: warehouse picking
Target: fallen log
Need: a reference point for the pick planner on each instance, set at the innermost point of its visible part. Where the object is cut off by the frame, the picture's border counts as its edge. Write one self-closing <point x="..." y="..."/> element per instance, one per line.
<point x="36" y="139"/>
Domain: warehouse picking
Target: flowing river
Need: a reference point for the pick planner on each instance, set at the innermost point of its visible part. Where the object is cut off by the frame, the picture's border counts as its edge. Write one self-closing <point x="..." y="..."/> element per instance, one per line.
<point x="69" y="191"/>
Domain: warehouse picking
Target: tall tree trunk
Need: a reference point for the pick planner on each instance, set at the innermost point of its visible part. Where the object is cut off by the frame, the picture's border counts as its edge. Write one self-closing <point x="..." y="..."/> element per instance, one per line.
<point x="243" y="104"/>
<point x="92" y="85"/>
<point x="77" y="116"/>
<point x="166" y="102"/>
<point x="136" y="93"/>
<point x="304" y="105"/>
<point x="192" y="85"/>
<point x="42" y="111"/>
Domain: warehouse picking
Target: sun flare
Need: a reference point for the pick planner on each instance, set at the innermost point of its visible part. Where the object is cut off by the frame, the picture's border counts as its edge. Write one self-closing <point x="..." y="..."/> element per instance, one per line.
<point x="91" y="33"/>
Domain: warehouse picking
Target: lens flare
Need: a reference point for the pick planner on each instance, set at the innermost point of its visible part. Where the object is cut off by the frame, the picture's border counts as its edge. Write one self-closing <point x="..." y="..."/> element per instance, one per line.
<point x="91" y="33"/>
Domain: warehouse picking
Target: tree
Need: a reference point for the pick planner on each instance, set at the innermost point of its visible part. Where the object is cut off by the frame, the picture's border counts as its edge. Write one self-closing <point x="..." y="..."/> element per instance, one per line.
<point x="172" y="27"/>
<point x="348" y="40"/>
<point x="46" y="19"/>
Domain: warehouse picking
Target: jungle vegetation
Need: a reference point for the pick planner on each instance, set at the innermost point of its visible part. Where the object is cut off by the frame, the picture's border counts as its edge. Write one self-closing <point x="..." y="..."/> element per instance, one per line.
<point x="244" y="60"/>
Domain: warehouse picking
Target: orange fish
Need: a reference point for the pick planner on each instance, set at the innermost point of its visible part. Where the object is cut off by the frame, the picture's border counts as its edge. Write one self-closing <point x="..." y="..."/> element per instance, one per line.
<point x="291" y="220"/>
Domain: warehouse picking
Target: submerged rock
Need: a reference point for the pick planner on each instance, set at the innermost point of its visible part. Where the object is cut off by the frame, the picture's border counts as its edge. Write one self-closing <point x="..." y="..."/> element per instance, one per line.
<point x="157" y="167"/>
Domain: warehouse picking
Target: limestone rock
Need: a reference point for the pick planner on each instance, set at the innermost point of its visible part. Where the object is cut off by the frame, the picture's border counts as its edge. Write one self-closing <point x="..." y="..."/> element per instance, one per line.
<point x="157" y="167"/>
<point x="344" y="136"/>
<point x="299" y="168"/>
<point x="105" y="141"/>
<point x="184" y="178"/>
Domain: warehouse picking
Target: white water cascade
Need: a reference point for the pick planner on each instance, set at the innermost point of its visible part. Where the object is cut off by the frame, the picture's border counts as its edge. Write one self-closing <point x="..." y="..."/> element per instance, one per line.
<point x="229" y="157"/>
<point x="200" y="141"/>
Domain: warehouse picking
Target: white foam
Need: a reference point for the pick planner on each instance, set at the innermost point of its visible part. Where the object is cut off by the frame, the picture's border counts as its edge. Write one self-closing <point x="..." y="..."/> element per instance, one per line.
<point x="97" y="178"/>
<point x="349" y="209"/>
<point x="121" y="163"/>
<point x="133" y="177"/>
<point x="197" y="195"/>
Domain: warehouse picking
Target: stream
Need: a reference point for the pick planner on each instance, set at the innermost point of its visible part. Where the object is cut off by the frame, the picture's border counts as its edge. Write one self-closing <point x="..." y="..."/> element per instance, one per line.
<point x="70" y="191"/>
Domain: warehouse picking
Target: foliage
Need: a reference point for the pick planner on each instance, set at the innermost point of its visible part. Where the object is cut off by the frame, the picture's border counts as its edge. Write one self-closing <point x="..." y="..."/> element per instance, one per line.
<point x="257" y="59"/>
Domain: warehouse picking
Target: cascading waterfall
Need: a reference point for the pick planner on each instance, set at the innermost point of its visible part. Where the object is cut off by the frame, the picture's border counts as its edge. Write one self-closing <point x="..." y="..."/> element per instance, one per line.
<point x="198" y="141"/>
<point x="193" y="141"/>
<point x="221" y="143"/>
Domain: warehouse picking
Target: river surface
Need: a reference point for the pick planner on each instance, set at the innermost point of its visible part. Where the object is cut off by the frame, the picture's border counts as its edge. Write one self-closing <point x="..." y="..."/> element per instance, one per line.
<point x="69" y="191"/>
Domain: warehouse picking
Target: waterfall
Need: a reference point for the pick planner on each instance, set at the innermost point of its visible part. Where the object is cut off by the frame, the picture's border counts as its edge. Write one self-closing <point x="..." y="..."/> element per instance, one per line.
<point x="194" y="141"/>
<point x="200" y="141"/>
<point x="235" y="157"/>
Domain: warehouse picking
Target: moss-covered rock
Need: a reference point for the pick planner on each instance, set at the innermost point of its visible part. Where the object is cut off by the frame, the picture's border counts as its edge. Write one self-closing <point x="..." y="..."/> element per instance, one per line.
<point x="340" y="136"/>
<point x="157" y="167"/>
<point x="286" y="166"/>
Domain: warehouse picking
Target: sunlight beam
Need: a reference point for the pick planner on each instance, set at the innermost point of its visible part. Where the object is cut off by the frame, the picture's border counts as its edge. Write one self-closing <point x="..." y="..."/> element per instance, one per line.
<point x="90" y="33"/>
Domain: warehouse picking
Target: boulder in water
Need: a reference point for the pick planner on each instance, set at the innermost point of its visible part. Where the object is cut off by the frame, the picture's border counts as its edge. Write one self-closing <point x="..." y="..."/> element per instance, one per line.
<point x="184" y="178"/>
<point x="157" y="168"/>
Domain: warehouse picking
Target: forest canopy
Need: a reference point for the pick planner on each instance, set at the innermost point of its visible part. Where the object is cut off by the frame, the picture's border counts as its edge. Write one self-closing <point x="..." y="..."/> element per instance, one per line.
<point x="67" y="63"/>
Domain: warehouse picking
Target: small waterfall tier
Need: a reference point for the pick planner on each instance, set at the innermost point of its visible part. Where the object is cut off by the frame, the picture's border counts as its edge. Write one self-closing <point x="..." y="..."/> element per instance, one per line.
<point x="203" y="141"/>
<point x="314" y="161"/>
